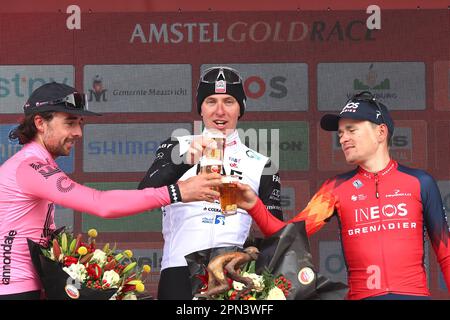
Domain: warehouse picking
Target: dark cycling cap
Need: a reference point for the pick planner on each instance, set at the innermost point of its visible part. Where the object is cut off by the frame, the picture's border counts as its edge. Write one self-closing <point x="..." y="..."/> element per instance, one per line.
<point x="221" y="80"/>
<point x="58" y="97"/>
<point x="362" y="106"/>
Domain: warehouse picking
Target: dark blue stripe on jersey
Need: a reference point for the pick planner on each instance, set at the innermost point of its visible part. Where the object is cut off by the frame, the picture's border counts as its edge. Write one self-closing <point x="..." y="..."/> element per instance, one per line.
<point x="434" y="215"/>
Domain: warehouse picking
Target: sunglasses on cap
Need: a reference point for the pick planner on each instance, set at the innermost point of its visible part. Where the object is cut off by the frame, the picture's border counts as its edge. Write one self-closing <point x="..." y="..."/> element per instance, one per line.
<point x="229" y="75"/>
<point x="75" y="100"/>
<point x="367" y="96"/>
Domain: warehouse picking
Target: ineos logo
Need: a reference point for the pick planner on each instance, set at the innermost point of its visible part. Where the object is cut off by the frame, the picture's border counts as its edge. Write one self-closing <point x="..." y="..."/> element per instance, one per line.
<point x="350" y="107"/>
<point x="390" y="210"/>
<point x="373" y="213"/>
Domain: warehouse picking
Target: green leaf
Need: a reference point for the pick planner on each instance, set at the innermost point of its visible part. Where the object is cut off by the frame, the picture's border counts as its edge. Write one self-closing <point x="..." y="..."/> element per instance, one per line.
<point x="129" y="267"/>
<point x="252" y="267"/>
<point x="72" y="246"/>
<point x="64" y="243"/>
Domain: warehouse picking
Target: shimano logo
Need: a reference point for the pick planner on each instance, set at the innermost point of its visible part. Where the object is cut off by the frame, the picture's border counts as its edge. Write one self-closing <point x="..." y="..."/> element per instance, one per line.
<point x="6" y="256"/>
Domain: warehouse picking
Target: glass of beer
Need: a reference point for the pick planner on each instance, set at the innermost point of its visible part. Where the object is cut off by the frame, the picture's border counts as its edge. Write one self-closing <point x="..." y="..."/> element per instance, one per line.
<point x="215" y="149"/>
<point x="228" y="191"/>
<point x="208" y="165"/>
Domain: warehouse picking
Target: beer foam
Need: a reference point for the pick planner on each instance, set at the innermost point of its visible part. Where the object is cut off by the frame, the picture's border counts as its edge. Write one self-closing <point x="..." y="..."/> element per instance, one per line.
<point x="210" y="162"/>
<point x="214" y="134"/>
<point x="230" y="179"/>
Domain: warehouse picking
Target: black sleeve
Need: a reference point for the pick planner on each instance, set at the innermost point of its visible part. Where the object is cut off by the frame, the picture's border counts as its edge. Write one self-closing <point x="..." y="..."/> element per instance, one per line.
<point x="167" y="168"/>
<point x="269" y="193"/>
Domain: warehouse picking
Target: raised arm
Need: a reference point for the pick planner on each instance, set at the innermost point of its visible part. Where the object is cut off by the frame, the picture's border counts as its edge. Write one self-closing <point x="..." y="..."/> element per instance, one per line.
<point x="167" y="168"/>
<point x="48" y="182"/>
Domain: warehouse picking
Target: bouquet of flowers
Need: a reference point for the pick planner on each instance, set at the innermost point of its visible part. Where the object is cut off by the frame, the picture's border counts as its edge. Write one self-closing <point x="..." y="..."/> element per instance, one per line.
<point x="72" y="269"/>
<point x="265" y="286"/>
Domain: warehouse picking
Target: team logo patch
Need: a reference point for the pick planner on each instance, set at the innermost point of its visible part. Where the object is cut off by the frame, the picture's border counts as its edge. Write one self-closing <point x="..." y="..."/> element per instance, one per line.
<point x="62" y="186"/>
<point x="350" y="107"/>
<point x="220" y="219"/>
<point x="220" y="87"/>
<point x="357" y="184"/>
<point x="306" y="276"/>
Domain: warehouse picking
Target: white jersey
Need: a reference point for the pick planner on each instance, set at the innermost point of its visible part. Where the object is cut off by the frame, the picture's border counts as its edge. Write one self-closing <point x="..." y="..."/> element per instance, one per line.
<point x="195" y="226"/>
<point x="190" y="227"/>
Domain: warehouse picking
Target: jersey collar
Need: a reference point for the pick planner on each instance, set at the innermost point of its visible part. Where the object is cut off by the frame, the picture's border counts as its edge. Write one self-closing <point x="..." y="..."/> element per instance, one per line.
<point x="39" y="151"/>
<point x="391" y="166"/>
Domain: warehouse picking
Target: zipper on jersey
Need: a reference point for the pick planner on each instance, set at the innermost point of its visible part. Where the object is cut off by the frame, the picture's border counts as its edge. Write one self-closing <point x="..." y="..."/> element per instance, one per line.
<point x="377" y="195"/>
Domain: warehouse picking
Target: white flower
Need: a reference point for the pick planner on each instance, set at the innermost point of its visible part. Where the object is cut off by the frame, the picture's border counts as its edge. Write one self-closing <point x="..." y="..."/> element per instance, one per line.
<point x="112" y="278"/>
<point x="100" y="257"/>
<point x="258" y="281"/>
<point x="276" y="294"/>
<point x="238" y="286"/>
<point x="76" y="271"/>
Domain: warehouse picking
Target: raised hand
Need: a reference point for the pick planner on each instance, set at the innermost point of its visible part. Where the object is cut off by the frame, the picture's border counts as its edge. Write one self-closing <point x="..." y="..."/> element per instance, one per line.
<point x="195" y="151"/>
<point x="245" y="197"/>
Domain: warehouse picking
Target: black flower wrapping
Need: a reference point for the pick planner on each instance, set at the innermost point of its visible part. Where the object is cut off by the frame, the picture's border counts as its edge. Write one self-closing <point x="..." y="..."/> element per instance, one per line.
<point x="54" y="279"/>
<point x="287" y="253"/>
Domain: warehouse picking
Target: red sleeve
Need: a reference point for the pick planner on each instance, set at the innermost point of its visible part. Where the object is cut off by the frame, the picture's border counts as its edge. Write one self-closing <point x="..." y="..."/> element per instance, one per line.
<point x="264" y="219"/>
<point x="320" y="208"/>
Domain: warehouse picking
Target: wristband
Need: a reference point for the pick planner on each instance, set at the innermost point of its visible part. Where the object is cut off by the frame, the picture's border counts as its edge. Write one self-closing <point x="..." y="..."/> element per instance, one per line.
<point x="174" y="193"/>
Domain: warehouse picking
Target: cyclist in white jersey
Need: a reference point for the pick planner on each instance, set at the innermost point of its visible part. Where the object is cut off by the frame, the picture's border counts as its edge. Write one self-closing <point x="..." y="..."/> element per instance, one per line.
<point x="197" y="226"/>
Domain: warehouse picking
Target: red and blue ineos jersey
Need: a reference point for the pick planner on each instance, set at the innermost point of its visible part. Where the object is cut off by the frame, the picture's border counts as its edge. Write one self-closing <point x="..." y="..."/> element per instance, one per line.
<point x="382" y="218"/>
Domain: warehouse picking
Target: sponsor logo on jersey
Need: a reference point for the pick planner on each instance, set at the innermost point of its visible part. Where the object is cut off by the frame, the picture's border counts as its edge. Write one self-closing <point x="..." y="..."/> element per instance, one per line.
<point x="398" y="193"/>
<point x="219" y="219"/>
<point x="275" y="195"/>
<point x="375" y="212"/>
<point x="375" y="219"/>
<point x="357" y="184"/>
<point x="358" y="197"/>
<point x="212" y="209"/>
<point x="6" y="248"/>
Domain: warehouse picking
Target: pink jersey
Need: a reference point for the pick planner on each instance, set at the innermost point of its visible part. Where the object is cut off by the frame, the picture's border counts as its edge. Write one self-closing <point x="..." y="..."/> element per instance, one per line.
<point x="30" y="184"/>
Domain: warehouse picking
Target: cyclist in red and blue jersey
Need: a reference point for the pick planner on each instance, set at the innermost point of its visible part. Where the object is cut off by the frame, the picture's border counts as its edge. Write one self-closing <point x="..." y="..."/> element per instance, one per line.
<point x="382" y="208"/>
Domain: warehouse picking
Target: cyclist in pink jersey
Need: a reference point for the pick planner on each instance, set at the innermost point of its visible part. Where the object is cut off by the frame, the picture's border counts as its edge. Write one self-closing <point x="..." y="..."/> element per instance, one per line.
<point x="383" y="209"/>
<point x="31" y="183"/>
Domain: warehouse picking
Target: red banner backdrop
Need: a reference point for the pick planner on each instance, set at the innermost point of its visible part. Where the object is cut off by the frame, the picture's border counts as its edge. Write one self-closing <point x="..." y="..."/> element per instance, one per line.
<point x="139" y="64"/>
